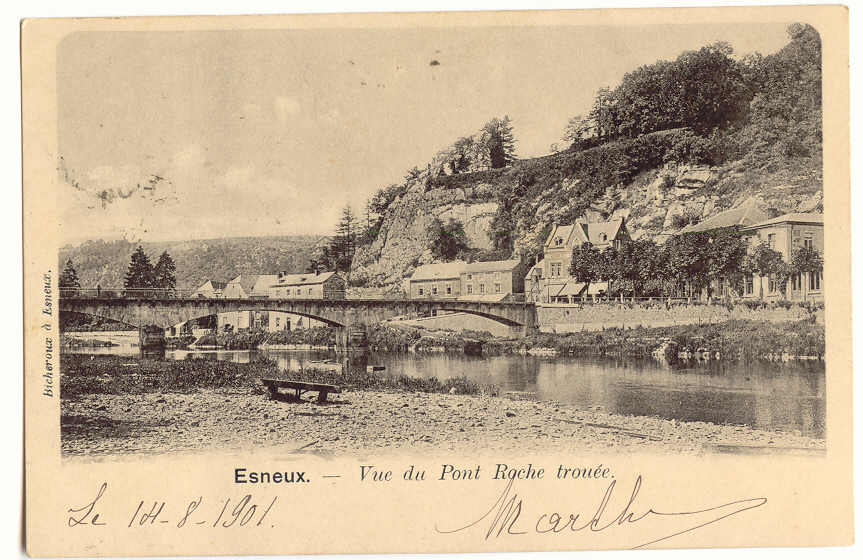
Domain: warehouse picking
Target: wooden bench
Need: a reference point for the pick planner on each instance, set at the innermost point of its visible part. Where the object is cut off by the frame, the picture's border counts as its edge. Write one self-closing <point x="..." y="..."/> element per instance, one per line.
<point x="300" y="387"/>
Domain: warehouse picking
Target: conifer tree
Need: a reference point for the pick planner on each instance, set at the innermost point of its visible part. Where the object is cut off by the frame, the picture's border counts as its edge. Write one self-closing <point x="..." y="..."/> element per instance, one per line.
<point x="165" y="275"/>
<point x="139" y="277"/>
<point x="69" y="283"/>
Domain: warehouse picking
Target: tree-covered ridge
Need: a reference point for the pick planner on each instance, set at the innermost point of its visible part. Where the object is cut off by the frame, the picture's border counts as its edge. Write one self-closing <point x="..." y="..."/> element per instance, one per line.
<point x="105" y="262"/>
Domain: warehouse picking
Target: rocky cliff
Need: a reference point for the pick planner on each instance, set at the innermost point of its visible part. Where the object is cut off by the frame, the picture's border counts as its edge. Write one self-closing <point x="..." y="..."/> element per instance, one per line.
<point x="656" y="203"/>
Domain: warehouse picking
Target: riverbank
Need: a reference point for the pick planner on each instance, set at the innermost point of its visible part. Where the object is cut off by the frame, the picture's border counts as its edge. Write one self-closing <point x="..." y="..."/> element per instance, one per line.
<point x="127" y="409"/>
<point x="731" y="340"/>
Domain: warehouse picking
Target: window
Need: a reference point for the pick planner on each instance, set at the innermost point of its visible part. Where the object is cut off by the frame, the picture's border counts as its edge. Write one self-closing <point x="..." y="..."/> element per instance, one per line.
<point x="497" y="275"/>
<point x="299" y="291"/>
<point x="814" y="281"/>
<point x="771" y="285"/>
<point x="470" y="288"/>
<point x="470" y="276"/>
<point x="434" y="289"/>
<point x="449" y="289"/>
<point x="796" y="282"/>
<point x="807" y="241"/>
<point x="749" y="285"/>
<point x="771" y="240"/>
<point x="555" y="269"/>
<point x="310" y="291"/>
<point x="497" y="288"/>
<point x="603" y="237"/>
<point x="482" y="288"/>
<point x="558" y="242"/>
<point x="420" y="291"/>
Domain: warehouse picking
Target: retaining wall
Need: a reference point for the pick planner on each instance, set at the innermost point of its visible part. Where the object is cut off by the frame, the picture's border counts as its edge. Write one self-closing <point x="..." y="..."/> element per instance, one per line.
<point x="594" y="317"/>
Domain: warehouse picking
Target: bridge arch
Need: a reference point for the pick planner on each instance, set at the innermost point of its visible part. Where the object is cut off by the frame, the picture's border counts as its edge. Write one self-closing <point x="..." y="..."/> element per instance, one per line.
<point x="64" y="315"/>
<point x="320" y="318"/>
<point x="497" y="318"/>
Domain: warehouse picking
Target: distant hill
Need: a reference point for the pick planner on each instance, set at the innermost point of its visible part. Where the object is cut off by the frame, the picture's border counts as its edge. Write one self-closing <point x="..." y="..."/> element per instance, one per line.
<point x="105" y="262"/>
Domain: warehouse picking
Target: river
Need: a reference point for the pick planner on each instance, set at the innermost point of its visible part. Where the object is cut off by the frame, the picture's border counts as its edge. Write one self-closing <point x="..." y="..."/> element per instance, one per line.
<point x="785" y="397"/>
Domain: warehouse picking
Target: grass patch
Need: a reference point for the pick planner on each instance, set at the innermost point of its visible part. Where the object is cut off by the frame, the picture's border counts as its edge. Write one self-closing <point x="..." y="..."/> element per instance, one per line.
<point x="112" y="375"/>
<point x="379" y="381"/>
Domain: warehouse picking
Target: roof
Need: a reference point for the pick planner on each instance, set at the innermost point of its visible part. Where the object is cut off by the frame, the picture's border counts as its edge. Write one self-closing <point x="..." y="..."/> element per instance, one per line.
<point x="216" y="284"/>
<point x="563" y="232"/>
<point x="572" y="288"/>
<point x="745" y="214"/>
<point x="584" y="232"/>
<point x="609" y="228"/>
<point x="794" y="217"/>
<point x="492" y="266"/>
<point x="307" y="279"/>
<point x="538" y="267"/>
<point x="439" y="271"/>
<point x="246" y="281"/>
<point x="263" y="283"/>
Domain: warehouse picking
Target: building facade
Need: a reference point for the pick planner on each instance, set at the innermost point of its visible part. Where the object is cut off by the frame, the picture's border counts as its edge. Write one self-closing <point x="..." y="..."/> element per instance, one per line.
<point x="549" y="280"/>
<point x="436" y="281"/>
<point x="785" y="235"/>
<point x="323" y="285"/>
<point x="492" y="280"/>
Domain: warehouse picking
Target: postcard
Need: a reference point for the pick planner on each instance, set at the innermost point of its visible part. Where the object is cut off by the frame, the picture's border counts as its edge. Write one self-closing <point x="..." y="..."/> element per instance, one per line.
<point x="437" y="282"/>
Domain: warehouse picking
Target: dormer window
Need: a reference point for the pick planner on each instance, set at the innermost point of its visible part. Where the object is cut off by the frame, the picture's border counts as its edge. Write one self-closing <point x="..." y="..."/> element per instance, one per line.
<point x="558" y="242"/>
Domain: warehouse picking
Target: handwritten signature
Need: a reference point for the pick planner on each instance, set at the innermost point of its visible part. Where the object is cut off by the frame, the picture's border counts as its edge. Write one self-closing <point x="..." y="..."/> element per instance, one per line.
<point x="504" y="515"/>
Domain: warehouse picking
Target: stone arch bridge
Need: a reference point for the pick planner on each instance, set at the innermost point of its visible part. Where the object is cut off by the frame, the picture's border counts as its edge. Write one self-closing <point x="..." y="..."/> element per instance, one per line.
<point x="346" y="314"/>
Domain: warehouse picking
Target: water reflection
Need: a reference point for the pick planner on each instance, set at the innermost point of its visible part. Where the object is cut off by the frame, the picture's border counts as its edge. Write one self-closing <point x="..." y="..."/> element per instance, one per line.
<point x="771" y="396"/>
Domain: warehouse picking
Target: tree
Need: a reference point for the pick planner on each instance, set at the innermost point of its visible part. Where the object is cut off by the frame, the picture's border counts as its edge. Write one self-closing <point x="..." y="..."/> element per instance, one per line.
<point x="69" y="283"/>
<point x="764" y="261"/>
<point x="807" y="259"/>
<point x="587" y="264"/>
<point x="726" y="256"/>
<point x="165" y="275"/>
<point x="139" y="279"/>
<point x="577" y="130"/>
<point x="412" y="175"/>
<point x="447" y="241"/>
<point x="344" y="242"/>
<point x="499" y="142"/>
<point x="321" y="260"/>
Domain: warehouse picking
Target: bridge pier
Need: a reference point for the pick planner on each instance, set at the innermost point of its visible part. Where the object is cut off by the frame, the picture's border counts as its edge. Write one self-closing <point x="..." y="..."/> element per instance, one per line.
<point x="352" y="338"/>
<point x="151" y="339"/>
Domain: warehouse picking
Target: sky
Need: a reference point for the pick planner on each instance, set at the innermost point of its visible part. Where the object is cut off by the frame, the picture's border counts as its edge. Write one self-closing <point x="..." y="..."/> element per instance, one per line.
<point x="203" y="134"/>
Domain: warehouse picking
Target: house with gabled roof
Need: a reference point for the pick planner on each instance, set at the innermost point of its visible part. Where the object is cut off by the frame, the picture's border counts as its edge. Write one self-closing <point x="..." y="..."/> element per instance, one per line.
<point x="549" y="280"/>
<point x="240" y="287"/>
<point x="210" y="289"/>
<point x="311" y="285"/>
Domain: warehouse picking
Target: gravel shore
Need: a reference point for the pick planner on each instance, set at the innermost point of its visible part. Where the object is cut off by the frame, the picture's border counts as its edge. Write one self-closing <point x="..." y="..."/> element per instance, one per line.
<point x="375" y="422"/>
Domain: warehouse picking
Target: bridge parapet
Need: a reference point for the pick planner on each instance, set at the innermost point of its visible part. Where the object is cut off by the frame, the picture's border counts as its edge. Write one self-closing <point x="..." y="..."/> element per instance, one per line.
<point x="166" y="312"/>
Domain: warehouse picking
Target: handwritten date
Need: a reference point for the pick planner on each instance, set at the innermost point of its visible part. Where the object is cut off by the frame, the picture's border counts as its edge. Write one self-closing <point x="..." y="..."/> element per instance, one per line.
<point x="224" y="513"/>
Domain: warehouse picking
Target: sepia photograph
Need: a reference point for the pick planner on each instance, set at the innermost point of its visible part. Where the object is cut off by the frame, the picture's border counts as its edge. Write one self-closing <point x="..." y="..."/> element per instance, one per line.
<point x="441" y="282"/>
<point x="342" y="241"/>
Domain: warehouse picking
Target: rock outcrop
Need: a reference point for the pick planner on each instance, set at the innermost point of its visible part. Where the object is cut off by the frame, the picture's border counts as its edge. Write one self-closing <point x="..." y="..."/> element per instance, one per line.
<point x="656" y="204"/>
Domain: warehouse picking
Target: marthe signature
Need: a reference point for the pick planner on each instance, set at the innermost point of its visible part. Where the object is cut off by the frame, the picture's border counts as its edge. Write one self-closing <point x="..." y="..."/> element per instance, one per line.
<point x="503" y="518"/>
